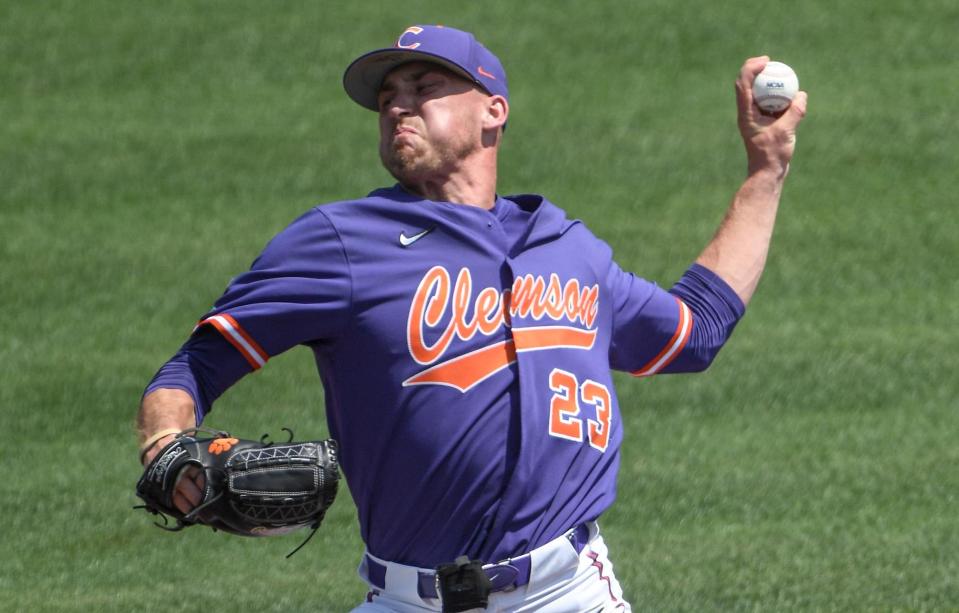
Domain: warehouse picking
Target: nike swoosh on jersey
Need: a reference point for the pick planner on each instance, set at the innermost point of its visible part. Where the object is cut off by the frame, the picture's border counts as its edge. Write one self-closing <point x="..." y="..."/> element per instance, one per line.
<point x="406" y="241"/>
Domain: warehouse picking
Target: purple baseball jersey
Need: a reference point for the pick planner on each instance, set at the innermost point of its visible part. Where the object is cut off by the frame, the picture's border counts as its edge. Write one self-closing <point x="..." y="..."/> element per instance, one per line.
<point x="465" y="356"/>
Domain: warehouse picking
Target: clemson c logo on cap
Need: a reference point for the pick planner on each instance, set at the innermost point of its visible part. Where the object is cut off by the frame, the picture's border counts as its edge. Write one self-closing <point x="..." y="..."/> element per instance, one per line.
<point x="410" y="30"/>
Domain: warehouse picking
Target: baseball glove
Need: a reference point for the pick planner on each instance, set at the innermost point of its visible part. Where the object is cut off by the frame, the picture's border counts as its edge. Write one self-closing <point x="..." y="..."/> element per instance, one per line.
<point x="253" y="488"/>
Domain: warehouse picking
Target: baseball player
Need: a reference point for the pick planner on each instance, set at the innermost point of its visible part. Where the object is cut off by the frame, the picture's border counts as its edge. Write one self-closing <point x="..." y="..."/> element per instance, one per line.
<point x="465" y="341"/>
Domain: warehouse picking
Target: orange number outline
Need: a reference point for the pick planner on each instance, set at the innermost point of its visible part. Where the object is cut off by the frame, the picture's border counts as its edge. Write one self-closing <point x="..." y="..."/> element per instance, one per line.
<point x="564" y="406"/>
<point x="564" y="409"/>
<point x="597" y="395"/>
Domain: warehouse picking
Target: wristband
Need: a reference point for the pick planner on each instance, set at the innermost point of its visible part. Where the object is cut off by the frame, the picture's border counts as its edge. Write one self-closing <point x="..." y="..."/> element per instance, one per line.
<point x="150" y="442"/>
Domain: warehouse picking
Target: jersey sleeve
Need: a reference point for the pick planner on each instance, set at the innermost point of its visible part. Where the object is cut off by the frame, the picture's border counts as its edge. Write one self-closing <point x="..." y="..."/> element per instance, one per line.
<point x="297" y="291"/>
<point x="204" y="367"/>
<point x="680" y="330"/>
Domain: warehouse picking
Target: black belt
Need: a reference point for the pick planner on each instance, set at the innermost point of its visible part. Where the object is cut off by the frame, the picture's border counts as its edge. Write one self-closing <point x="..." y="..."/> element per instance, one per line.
<point x="503" y="576"/>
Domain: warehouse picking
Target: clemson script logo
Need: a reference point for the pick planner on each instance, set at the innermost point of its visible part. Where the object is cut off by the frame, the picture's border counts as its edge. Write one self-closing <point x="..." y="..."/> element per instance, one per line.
<point x="567" y="303"/>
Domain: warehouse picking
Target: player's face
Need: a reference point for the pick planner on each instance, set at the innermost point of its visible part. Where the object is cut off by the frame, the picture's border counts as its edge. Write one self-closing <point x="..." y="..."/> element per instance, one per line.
<point x="430" y="121"/>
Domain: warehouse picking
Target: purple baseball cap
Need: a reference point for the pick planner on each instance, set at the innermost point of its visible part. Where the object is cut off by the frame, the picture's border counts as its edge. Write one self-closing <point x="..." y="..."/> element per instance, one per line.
<point x="453" y="49"/>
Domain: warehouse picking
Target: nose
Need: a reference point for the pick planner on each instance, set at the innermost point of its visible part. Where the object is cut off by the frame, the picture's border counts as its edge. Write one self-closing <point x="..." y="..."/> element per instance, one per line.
<point x="400" y="105"/>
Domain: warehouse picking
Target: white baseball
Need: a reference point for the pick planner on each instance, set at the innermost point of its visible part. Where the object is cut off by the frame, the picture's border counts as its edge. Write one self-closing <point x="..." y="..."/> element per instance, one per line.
<point x="775" y="87"/>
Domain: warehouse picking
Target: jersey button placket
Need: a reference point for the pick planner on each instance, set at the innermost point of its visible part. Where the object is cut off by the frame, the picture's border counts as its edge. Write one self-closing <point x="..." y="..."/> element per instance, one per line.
<point x="501" y="240"/>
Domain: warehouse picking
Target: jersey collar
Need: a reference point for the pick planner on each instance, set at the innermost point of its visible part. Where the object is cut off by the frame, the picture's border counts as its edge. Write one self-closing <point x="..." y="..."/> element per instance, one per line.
<point x="546" y="222"/>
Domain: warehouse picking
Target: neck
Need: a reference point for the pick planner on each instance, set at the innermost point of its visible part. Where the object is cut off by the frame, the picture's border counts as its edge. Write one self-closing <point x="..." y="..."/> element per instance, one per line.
<point x="472" y="184"/>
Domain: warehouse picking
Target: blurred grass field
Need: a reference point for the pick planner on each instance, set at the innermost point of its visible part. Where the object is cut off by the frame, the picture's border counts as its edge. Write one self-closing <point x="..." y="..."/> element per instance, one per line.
<point x="149" y="150"/>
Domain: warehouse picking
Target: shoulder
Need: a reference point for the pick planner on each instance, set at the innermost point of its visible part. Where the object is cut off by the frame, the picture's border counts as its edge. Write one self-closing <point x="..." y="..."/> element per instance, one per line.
<point x="378" y="200"/>
<point x="325" y="218"/>
<point x="387" y="210"/>
<point x="314" y="235"/>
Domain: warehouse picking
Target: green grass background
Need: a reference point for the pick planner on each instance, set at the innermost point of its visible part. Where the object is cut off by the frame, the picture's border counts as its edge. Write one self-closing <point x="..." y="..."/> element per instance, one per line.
<point x="149" y="150"/>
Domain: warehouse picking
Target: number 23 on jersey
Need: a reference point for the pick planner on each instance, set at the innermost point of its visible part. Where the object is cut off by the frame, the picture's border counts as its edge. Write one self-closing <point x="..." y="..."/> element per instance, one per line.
<point x="564" y="409"/>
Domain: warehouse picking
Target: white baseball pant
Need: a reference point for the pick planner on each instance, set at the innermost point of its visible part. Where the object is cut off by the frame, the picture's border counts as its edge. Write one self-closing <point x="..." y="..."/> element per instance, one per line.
<point x="561" y="580"/>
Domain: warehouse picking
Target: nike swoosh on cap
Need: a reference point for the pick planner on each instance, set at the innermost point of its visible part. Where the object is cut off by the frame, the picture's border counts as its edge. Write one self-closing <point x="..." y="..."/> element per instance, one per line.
<point x="406" y="241"/>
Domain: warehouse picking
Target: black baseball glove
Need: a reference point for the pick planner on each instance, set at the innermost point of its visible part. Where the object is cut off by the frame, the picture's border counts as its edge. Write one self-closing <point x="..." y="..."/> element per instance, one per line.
<point x="253" y="488"/>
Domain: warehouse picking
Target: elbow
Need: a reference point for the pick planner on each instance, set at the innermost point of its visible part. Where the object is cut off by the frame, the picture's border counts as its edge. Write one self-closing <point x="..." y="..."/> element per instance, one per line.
<point x="708" y="337"/>
<point x="701" y="364"/>
<point x="700" y="358"/>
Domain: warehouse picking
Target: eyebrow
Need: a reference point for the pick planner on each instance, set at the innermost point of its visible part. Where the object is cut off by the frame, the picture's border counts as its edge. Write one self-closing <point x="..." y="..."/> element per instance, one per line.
<point x="413" y="76"/>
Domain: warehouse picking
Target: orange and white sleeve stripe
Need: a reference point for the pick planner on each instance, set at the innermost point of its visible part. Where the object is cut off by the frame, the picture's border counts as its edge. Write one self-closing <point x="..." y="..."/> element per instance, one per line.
<point x="675" y="345"/>
<point x="238" y="337"/>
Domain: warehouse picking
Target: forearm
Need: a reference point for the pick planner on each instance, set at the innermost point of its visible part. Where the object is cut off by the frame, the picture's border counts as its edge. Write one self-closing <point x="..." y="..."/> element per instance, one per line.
<point x="167" y="411"/>
<point x="738" y="250"/>
<point x="162" y="410"/>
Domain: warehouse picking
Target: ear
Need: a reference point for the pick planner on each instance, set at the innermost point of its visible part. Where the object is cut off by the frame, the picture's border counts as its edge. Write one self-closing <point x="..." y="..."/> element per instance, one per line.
<point x="497" y="112"/>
